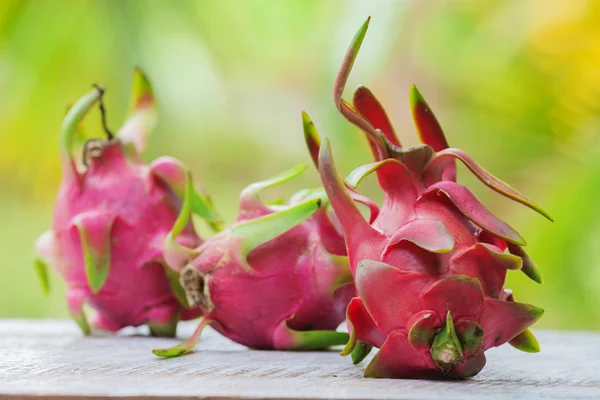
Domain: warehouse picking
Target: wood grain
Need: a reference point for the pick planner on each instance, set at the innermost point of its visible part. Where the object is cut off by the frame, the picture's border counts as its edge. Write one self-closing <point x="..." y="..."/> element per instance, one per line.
<point x="52" y="359"/>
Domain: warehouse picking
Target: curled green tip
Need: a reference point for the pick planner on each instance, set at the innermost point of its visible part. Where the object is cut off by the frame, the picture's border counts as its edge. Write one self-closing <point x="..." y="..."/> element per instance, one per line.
<point x="360" y="352"/>
<point x="309" y="128"/>
<point x="536" y="312"/>
<point x="252" y="233"/>
<point x="415" y="97"/>
<point x="525" y="341"/>
<point x="251" y="192"/>
<point x="74" y="117"/>
<point x="171" y="353"/>
<point x="311" y="137"/>
<point x="360" y="35"/>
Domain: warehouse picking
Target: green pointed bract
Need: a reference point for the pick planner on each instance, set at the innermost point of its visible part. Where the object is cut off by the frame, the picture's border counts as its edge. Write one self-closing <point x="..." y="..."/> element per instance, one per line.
<point x="316" y="340"/>
<point x="375" y="136"/>
<point x="356" y="176"/>
<point x="349" y="58"/>
<point x="177" y="255"/>
<point x="142" y="116"/>
<point x="428" y="127"/>
<point x="178" y="177"/>
<point x="530" y="268"/>
<point x="168" y="329"/>
<point x="142" y="94"/>
<point x="81" y="320"/>
<point x="71" y="124"/>
<point x="312" y="138"/>
<point x="507" y="260"/>
<point x="202" y="206"/>
<point x="178" y="291"/>
<point x="187" y="345"/>
<point x="250" y="194"/>
<point x="525" y="341"/>
<point x="248" y="235"/>
<point x="94" y="233"/>
<point x="485" y="177"/>
<point x="352" y="341"/>
<point x="446" y="350"/>
<point x="360" y="352"/>
<point x="41" y="269"/>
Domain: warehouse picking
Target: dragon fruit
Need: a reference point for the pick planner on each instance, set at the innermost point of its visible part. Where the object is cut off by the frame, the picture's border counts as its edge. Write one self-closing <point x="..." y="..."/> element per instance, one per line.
<point x="111" y="217"/>
<point x="430" y="269"/>
<point x="278" y="278"/>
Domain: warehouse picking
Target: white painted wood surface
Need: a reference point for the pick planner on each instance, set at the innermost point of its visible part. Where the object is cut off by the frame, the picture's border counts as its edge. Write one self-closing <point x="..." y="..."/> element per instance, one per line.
<point x="52" y="359"/>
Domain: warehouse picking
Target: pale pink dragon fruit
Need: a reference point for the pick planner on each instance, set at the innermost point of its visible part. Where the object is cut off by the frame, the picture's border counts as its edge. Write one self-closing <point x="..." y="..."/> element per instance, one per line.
<point x="278" y="278"/>
<point x="430" y="269"/>
<point x="110" y="221"/>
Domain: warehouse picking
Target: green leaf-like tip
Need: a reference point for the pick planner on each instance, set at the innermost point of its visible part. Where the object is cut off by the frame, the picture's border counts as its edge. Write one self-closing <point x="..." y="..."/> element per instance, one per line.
<point x="446" y="350"/>
<point x="176" y="254"/>
<point x="202" y="206"/>
<point x="81" y="321"/>
<point x="356" y="176"/>
<point x="360" y="35"/>
<point x="253" y="233"/>
<point x="252" y="191"/>
<point x="41" y="269"/>
<point x="416" y="99"/>
<point x="142" y="92"/>
<point x="529" y="268"/>
<point x="525" y="341"/>
<point x="172" y="352"/>
<point x="186" y="208"/>
<point x="344" y="72"/>
<point x="311" y="137"/>
<point x="352" y="339"/>
<point x="360" y="352"/>
<point x="73" y="119"/>
<point x="187" y="345"/>
<point x="94" y="233"/>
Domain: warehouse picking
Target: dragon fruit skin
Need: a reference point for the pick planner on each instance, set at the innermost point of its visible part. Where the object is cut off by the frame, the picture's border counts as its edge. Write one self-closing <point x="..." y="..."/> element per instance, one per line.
<point x="110" y="221"/>
<point x="430" y="269"/>
<point x="278" y="278"/>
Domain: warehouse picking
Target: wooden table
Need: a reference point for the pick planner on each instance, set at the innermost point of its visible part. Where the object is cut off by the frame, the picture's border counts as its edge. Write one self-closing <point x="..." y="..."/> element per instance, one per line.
<point x="52" y="359"/>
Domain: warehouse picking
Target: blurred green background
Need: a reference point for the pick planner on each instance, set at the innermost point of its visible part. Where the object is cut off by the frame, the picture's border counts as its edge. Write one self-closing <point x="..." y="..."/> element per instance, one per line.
<point x="514" y="83"/>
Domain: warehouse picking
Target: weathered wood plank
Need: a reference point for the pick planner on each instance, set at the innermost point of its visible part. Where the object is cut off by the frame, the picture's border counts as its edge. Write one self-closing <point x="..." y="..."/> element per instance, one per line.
<point x="50" y="358"/>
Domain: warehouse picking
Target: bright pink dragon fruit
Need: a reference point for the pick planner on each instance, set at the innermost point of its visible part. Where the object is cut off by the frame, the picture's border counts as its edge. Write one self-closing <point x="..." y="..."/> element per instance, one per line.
<point x="278" y="278"/>
<point x="430" y="269"/>
<point x="110" y="221"/>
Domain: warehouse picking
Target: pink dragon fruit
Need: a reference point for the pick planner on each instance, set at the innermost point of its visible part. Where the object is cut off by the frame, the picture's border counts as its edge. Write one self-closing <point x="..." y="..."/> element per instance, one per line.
<point x="430" y="269"/>
<point x="110" y="221"/>
<point x="278" y="278"/>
